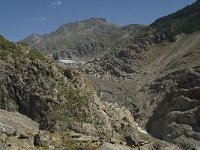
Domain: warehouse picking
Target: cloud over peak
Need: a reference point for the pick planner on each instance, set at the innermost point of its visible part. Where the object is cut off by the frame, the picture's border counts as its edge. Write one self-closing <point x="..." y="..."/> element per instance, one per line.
<point x="56" y="4"/>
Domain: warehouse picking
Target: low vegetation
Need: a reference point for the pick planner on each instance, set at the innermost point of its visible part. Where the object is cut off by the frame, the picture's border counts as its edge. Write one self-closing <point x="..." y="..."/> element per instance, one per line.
<point x="186" y="20"/>
<point x="34" y="55"/>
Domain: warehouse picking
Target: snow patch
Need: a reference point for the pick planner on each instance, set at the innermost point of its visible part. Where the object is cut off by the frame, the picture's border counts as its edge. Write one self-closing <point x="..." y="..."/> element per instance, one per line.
<point x="141" y="130"/>
<point x="67" y="61"/>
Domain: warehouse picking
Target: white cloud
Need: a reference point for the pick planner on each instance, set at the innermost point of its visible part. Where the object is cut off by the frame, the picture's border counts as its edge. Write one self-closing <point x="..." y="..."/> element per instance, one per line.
<point x="56" y="4"/>
<point x="41" y="19"/>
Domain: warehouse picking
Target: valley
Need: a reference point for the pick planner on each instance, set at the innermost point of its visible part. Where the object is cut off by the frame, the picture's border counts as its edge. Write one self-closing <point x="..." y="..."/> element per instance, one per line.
<point x="92" y="85"/>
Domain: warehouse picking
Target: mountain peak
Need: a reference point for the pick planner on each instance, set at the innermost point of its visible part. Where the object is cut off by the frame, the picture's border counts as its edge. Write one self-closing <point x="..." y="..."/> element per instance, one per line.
<point x="33" y="38"/>
<point x="94" y="19"/>
<point x="84" y="24"/>
<point x="91" y="21"/>
<point x="85" y="36"/>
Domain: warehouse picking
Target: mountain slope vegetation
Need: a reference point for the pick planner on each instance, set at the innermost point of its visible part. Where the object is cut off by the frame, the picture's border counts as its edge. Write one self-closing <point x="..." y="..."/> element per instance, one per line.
<point x="186" y="20"/>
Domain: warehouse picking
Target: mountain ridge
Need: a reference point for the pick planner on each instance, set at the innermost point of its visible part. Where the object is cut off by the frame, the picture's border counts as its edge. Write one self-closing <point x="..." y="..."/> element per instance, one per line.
<point x="88" y="37"/>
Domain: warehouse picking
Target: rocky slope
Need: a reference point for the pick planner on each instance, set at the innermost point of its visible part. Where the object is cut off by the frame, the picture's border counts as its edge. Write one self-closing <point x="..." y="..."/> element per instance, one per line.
<point x="61" y="101"/>
<point x="155" y="75"/>
<point x="81" y="39"/>
<point x="166" y="87"/>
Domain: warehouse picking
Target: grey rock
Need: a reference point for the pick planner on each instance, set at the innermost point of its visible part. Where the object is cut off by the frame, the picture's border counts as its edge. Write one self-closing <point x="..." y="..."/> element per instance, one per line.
<point x="195" y="148"/>
<point x="131" y="141"/>
<point x="114" y="141"/>
<point x="109" y="146"/>
<point x="12" y="122"/>
<point x="3" y="146"/>
<point x="172" y="148"/>
<point x="23" y="136"/>
<point x="146" y="147"/>
<point x="37" y="140"/>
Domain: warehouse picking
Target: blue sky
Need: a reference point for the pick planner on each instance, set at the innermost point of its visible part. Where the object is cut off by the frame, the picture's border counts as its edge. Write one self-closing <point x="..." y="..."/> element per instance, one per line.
<point x="20" y="18"/>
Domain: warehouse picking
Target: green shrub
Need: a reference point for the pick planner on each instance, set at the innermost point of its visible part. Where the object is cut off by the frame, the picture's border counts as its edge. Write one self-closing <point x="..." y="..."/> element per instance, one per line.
<point x="5" y="44"/>
<point x="34" y="55"/>
<point x="67" y="112"/>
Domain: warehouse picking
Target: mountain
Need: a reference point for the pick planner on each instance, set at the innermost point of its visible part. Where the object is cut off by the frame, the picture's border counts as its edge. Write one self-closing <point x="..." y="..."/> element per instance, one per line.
<point x="166" y="29"/>
<point x="84" y="38"/>
<point x="33" y="39"/>
<point x="156" y="75"/>
<point x="141" y="91"/>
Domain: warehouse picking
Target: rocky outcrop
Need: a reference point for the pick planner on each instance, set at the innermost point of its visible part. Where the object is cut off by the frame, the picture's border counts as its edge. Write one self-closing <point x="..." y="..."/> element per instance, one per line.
<point x="16" y="130"/>
<point x="176" y="118"/>
<point x="20" y="132"/>
<point x="114" y="64"/>
<point x="13" y="123"/>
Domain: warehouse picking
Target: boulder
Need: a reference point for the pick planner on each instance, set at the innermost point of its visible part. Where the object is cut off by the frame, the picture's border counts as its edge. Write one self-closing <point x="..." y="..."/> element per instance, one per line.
<point x="131" y="141"/>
